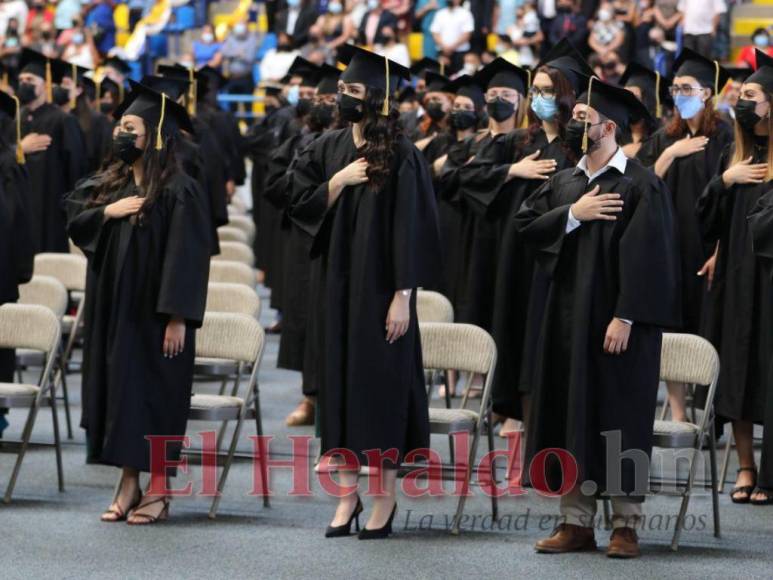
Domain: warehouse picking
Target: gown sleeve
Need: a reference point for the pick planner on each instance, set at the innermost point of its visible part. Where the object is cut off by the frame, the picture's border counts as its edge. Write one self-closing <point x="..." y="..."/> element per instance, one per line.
<point x="84" y="224"/>
<point x="14" y="185"/>
<point x="73" y="150"/>
<point x="651" y="149"/>
<point x="483" y="180"/>
<point x="761" y="228"/>
<point x="308" y="206"/>
<point x="648" y="261"/>
<point x="185" y="269"/>
<point x="715" y="204"/>
<point x="277" y="177"/>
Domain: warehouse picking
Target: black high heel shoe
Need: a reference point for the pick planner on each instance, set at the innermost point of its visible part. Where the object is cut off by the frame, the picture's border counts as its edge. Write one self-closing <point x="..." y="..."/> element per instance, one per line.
<point x="381" y="533"/>
<point x="345" y="529"/>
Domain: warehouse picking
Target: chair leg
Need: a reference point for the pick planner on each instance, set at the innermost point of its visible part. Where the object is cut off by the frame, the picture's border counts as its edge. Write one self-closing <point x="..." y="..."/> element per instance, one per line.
<point x="725" y="462"/>
<point x="259" y="431"/>
<point x="455" y="528"/>
<point x="25" y="439"/>
<point x="226" y="468"/>
<point x="664" y="411"/>
<point x="57" y="441"/>
<point x="447" y="382"/>
<point x="686" y="496"/>
<point x="66" y="401"/>
<point x="494" y="499"/>
<point x="714" y="491"/>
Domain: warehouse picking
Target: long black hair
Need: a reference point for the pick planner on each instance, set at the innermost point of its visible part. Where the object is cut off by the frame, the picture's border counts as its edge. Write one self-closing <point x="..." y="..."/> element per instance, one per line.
<point x="380" y="133"/>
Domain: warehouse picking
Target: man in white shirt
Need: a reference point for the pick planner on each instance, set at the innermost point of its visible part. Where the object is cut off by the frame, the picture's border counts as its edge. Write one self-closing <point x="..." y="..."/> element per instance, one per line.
<point x="700" y="23"/>
<point x="452" y="29"/>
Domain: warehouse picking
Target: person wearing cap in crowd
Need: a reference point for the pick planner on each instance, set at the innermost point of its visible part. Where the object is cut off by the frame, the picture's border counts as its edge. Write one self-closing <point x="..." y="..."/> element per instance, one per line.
<point x="729" y="95"/>
<point x="303" y="278"/>
<point x="364" y="193"/>
<point x="97" y="127"/>
<point x="652" y="89"/>
<point x="117" y="70"/>
<point x="108" y="95"/>
<point x="685" y="154"/>
<point x="408" y="107"/>
<point x="16" y="255"/>
<point x="144" y="225"/>
<point x="740" y="304"/>
<point x="519" y="294"/>
<point x="603" y="232"/>
<point x="54" y="147"/>
<point x="436" y="103"/>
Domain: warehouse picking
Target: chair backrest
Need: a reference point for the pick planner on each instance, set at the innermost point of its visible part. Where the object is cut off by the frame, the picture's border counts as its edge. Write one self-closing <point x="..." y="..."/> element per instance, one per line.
<point x="75" y="249"/>
<point x="234" y="272"/>
<point x="230" y="297"/>
<point x="686" y="358"/>
<point x="231" y="234"/>
<point x="245" y="224"/>
<point x="45" y="291"/>
<point x="230" y="336"/>
<point x="29" y="326"/>
<point x="433" y="307"/>
<point x="235" y="252"/>
<point x="237" y="205"/>
<point x="69" y="269"/>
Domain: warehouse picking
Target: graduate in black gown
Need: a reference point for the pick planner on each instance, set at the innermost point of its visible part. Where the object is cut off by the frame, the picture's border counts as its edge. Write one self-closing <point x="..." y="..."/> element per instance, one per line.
<point x="143" y="224"/>
<point x="16" y="256"/>
<point x="365" y="195"/>
<point x="56" y="160"/>
<point x="653" y="90"/>
<point x="436" y="103"/>
<point x="519" y="297"/>
<point x="301" y="302"/>
<point x="604" y="234"/>
<point x="740" y="301"/>
<point x="685" y="154"/>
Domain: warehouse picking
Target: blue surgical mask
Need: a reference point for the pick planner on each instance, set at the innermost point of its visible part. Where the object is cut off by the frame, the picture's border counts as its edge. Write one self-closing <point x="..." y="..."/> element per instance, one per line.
<point x="335" y="8"/>
<point x="293" y="3"/>
<point x="293" y="94"/>
<point x="545" y="109"/>
<point x="690" y="106"/>
<point x="761" y="40"/>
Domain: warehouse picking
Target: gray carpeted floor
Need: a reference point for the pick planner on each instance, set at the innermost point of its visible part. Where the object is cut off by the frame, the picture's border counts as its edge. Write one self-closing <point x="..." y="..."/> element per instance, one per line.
<point x="47" y="534"/>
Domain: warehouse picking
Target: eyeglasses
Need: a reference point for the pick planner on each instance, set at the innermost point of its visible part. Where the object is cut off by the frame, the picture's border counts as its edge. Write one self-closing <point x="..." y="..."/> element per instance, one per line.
<point x="686" y="90"/>
<point x="547" y="92"/>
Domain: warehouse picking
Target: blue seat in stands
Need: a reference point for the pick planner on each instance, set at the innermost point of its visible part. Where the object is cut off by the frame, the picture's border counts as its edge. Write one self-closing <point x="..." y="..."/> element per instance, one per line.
<point x="158" y="46"/>
<point x="184" y="18"/>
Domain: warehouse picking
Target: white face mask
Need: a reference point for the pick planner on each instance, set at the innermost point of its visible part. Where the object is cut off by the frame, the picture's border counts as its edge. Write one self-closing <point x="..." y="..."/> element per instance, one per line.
<point x="373" y="4"/>
<point x="470" y="68"/>
<point x="240" y="29"/>
<point x="207" y="37"/>
<point x="605" y="15"/>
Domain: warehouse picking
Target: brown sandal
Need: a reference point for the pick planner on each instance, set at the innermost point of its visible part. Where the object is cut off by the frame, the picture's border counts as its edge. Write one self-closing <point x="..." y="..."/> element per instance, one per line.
<point x="149" y="519"/>
<point x="120" y="514"/>
<point x="745" y="490"/>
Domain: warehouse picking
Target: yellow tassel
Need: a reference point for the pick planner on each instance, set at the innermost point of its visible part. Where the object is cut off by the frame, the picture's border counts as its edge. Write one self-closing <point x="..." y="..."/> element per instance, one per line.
<point x="192" y="93"/>
<point x="19" y="151"/>
<point x="98" y="86"/>
<point x="49" y="87"/>
<point x="528" y="79"/>
<point x="442" y="69"/>
<point x="5" y="81"/>
<point x="385" y="108"/>
<point x="159" y="139"/>
<point x="120" y="92"/>
<point x="75" y="82"/>
<point x="658" y="106"/>
<point x="716" y="83"/>
<point x="587" y="123"/>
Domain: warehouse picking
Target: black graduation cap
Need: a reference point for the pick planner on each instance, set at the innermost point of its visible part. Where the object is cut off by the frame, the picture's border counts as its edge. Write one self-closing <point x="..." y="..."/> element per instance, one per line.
<point x="764" y="73"/>
<point x="649" y="81"/>
<point x="566" y="58"/>
<point x="180" y="72"/>
<point x="10" y="106"/>
<point x="372" y="70"/>
<point x="38" y="64"/>
<point x="157" y="109"/>
<point x="426" y="64"/>
<point x="72" y="71"/>
<point x="211" y="76"/>
<point x="502" y="73"/>
<point x="405" y="94"/>
<point x="615" y="103"/>
<point x="118" y="64"/>
<point x="436" y="82"/>
<point x="327" y="80"/>
<point x="468" y="86"/>
<point x="307" y="70"/>
<point x="708" y="72"/>
<point x="173" y="88"/>
<point x="107" y="85"/>
<point x="739" y="73"/>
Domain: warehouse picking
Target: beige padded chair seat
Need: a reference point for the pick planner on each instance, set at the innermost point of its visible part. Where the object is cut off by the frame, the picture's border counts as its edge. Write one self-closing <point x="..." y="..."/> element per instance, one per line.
<point x="448" y="420"/>
<point x="215" y="402"/>
<point x="18" y="390"/>
<point x="674" y="434"/>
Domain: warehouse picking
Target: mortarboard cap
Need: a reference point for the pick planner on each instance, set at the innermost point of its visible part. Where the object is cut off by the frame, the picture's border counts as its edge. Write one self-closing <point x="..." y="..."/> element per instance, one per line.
<point x="372" y="70"/>
<point x="426" y="64"/>
<point x="118" y="64"/>
<point x="11" y="106"/>
<point x="436" y="82"/>
<point x="327" y="80"/>
<point x="173" y="88"/>
<point x="467" y="86"/>
<point x="739" y="73"/>
<point x="503" y="73"/>
<point x="708" y="72"/>
<point x="567" y="59"/>
<point x="180" y="72"/>
<point x="649" y="81"/>
<point x="308" y="71"/>
<point x="37" y="64"/>
<point x="271" y="88"/>
<point x="764" y="74"/>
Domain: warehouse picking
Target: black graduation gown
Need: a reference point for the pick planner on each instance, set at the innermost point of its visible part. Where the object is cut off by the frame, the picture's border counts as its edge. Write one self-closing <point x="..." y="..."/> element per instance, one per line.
<point x="52" y="173"/>
<point x="740" y="318"/>
<point x="514" y="304"/>
<point x="16" y="256"/>
<point x="686" y="178"/>
<point x="214" y="172"/>
<point x="98" y="137"/>
<point x="225" y="129"/>
<point x="372" y="394"/>
<point x="192" y="163"/>
<point x="142" y="275"/>
<point x="627" y="269"/>
<point x="295" y="248"/>
<point x="761" y="227"/>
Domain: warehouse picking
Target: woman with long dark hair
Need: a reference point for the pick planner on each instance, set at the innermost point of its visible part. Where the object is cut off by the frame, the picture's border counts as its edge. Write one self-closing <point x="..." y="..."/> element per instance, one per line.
<point x="364" y="193"/>
<point x="144" y="226"/>
<point x="740" y="300"/>
<point x="652" y="90"/>
<point x="437" y="102"/>
<point x="685" y="154"/>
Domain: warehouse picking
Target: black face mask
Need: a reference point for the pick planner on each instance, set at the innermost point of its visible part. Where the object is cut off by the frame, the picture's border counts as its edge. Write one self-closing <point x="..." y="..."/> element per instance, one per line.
<point x="463" y="120"/>
<point x="61" y="96"/>
<point x="500" y="110"/>
<point x="26" y="93"/>
<point x="125" y="148"/>
<point x="574" y="133"/>
<point x="106" y="108"/>
<point x="322" y="115"/>
<point x="303" y="107"/>
<point x="745" y="114"/>
<point x="435" y="111"/>
<point x="351" y="108"/>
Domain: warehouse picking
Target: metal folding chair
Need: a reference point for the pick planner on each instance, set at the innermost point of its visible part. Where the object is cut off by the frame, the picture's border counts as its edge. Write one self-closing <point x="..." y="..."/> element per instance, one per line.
<point x="235" y="252"/>
<point x="231" y="234"/>
<point x="234" y="272"/>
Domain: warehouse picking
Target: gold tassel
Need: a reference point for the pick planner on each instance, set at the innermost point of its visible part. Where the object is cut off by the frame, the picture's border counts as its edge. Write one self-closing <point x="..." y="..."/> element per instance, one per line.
<point x="98" y="90"/>
<point x="658" y="106"/>
<point x="716" y="83"/>
<point x="192" y="92"/>
<point x="385" y="108"/>
<point x="5" y="80"/>
<point x="19" y="151"/>
<point x="159" y="139"/>
<point x="49" y="87"/>
<point x="587" y="122"/>
<point x="75" y="82"/>
<point x="120" y="92"/>
<point x="442" y="69"/>
<point x="528" y="78"/>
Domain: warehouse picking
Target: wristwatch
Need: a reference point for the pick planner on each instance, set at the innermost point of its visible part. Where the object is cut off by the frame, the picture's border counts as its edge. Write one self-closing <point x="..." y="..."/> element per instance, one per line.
<point x="405" y="293"/>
